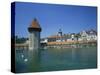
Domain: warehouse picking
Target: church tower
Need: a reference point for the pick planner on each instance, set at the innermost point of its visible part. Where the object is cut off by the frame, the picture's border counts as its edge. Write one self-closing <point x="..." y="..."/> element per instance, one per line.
<point x="60" y="34"/>
<point x="34" y="35"/>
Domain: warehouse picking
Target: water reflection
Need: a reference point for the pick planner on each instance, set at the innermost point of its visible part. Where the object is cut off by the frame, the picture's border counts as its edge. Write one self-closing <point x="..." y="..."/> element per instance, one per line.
<point x="73" y="55"/>
<point x="27" y="61"/>
<point x="55" y="59"/>
<point x="34" y="60"/>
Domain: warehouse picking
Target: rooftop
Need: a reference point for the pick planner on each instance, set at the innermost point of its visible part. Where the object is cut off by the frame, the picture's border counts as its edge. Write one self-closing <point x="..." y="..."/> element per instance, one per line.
<point x="35" y="24"/>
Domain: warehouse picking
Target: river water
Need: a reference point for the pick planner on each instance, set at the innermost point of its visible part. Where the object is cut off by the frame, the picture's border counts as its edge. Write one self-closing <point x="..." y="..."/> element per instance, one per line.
<point x="53" y="59"/>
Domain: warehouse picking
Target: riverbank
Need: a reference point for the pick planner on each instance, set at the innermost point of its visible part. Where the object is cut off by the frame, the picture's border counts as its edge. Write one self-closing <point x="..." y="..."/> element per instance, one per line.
<point x="71" y="44"/>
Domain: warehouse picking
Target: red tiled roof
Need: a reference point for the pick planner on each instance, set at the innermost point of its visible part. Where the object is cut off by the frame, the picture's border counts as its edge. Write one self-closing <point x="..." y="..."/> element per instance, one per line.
<point x="55" y="36"/>
<point x="35" y="24"/>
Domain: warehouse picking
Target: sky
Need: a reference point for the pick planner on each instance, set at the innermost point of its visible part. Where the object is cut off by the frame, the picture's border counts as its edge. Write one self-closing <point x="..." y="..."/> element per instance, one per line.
<point x="52" y="17"/>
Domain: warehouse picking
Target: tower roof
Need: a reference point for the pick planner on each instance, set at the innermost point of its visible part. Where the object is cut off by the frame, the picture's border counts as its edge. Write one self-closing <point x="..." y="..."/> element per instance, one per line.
<point x="35" y="26"/>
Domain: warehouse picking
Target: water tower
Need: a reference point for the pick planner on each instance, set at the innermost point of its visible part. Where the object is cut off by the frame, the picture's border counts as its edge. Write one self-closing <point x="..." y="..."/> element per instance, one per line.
<point x="34" y="35"/>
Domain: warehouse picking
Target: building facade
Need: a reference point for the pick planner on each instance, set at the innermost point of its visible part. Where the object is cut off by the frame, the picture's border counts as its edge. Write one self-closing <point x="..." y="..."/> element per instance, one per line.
<point x="90" y="35"/>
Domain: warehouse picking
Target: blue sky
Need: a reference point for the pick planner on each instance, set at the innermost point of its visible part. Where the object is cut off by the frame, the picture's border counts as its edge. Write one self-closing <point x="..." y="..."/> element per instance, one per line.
<point x="71" y="19"/>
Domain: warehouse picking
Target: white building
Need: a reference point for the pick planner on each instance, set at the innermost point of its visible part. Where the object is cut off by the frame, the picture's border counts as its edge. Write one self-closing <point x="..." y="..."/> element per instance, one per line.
<point x="44" y="40"/>
<point x="90" y="35"/>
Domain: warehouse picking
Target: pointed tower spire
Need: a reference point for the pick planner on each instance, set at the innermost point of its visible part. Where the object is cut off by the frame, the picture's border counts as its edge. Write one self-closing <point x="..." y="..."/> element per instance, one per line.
<point x="35" y="26"/>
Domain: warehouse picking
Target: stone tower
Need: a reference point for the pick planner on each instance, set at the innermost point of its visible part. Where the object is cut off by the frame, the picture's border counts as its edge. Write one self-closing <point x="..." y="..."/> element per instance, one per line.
<point x="34" y="35"/>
